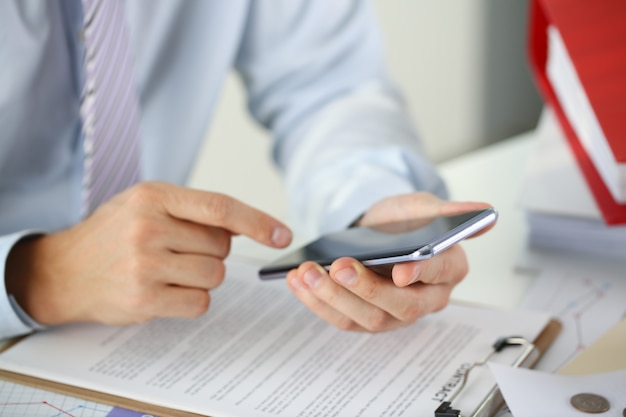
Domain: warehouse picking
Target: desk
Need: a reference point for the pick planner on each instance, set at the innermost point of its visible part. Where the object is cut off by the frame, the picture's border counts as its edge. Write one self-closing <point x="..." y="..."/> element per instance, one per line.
<point x="493" y="174"/>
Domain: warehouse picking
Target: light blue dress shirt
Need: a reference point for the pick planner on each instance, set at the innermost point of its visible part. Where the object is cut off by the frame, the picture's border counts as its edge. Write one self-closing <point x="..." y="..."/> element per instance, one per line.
<point x="313" y="71"/>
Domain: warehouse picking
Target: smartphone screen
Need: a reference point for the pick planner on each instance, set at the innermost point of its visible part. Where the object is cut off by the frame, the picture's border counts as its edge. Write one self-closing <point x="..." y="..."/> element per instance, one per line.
<point x="386" y="243"/>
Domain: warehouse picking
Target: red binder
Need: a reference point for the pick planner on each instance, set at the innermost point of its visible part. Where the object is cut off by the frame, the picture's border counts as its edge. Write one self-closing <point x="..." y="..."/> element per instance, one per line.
<point x="594" y="34"/>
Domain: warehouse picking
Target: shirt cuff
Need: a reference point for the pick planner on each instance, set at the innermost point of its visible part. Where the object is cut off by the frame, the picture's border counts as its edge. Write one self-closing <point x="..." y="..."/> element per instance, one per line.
<point x="26" y="319"/>
<point x="13" y="320"/>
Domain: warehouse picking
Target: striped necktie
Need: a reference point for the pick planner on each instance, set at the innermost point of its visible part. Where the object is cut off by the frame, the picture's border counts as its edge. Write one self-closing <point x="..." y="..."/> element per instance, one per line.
<point x="109" y="105"/>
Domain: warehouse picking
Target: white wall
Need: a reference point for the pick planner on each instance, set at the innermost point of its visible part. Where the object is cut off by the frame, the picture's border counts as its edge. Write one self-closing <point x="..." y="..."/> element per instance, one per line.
<point x="461" y="64"/>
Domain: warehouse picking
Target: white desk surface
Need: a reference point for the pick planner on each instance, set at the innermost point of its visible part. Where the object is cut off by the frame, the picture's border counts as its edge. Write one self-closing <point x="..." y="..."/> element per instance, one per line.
<point x="492" y="174"/>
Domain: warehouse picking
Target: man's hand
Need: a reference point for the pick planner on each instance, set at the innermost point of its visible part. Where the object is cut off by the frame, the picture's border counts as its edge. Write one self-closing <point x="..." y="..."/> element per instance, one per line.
<point x="353" y="297"/>
<point x="154" y="250"/>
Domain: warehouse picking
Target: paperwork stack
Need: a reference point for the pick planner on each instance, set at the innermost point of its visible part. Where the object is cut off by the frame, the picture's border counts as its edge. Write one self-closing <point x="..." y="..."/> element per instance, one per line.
<point x="561" y="212"/>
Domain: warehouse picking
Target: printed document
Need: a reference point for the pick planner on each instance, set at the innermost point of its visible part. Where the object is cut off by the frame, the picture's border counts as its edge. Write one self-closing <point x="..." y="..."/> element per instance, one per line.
<point x="260" y="352"/>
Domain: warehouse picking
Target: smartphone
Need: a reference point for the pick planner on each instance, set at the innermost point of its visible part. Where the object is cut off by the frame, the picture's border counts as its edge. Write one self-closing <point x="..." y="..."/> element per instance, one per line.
<point x="385" y="244"/>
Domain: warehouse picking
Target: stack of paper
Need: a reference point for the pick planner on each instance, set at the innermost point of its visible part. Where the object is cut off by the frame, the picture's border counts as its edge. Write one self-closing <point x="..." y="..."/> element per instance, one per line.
<point x="562" y="213"/>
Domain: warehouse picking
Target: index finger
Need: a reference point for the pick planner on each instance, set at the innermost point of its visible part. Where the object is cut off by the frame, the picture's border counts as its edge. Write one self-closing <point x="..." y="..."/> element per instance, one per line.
<point x="216" y="209"/>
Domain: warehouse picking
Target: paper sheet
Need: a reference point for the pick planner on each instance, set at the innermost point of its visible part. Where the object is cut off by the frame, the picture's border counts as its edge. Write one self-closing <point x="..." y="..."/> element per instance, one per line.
<point x="259" y="352"/>
<point x="532" y="393"/>
<point x="586" y="296"/>
<point x="606" y="354"/>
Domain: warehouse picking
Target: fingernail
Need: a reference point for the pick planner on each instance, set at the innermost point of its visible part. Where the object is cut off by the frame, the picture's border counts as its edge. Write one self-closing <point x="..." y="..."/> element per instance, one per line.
<point x="417" y="271"/>
<point x="295" y="282"/>
<point x="312" y="277"/>
<point x="346" y="276"/>
<point x="281" y="236"/>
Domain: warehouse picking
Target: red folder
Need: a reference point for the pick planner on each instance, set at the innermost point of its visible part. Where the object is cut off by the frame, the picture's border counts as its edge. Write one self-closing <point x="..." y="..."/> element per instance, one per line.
<point x="594" y="34"/>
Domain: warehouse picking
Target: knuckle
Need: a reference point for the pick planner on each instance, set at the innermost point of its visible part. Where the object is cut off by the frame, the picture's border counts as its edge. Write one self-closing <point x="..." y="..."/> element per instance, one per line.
<point x="144" y="193"/>
<point x="143" y="318"/>
<point x="316" y="304"/>
<point x="142" y="230"/>
<point x="218" y="273"/>
<point x="331" y="294"/>
<point x="139" y="272"/>
<point x="442" y="271"/>
<point x="455" y="266"/>
<point x="201" y="305"/>
<point x="370" y="291"/>
<point x="463" y="271"/>
<point x="439" y="272"/>
<point x="139" y="293"/>
<point x="219" y="208"/>
<point x="224" y="242"/>
<point x="138" y="302"/>
<point x="412" y="311"/>
<point x="346" y="324"/>
<point x="377" y="321"/>
<point x="440" y="303"/>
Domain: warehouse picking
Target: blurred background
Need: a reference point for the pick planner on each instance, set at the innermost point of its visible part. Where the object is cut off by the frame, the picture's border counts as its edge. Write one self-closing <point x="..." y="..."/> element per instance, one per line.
<point x="460" y="63"/>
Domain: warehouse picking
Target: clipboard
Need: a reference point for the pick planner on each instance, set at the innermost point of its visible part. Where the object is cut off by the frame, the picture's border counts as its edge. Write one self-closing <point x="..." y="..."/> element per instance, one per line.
<point x="488" y="406"/>
<point x="530" y="354"/>
<point x="147" y="409"/>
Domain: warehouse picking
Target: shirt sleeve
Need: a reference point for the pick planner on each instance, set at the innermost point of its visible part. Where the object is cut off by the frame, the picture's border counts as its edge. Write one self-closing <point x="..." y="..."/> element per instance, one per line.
<point x="13" y="320"/>
<point x="359" y="150"/>
<point x="315" y="75"/>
